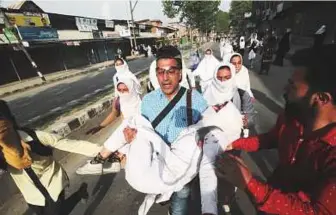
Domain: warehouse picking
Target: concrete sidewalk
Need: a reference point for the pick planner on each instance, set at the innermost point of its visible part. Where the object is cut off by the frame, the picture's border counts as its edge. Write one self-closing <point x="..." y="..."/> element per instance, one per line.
<point x="19" y="86"/>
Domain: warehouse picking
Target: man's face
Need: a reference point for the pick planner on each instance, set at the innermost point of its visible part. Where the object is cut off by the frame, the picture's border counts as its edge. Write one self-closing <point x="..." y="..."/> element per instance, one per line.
<point x="297" y="96"/>
<point x="122" y="88"/>
<point x="168" y="75"/>
<point x="224" y="74"/>
<point x="297" y="88"/>
<point x="237" y="62"/>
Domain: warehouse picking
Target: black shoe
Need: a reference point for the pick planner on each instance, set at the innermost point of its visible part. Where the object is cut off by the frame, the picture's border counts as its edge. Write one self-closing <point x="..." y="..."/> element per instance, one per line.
<point x="83" y="193"/>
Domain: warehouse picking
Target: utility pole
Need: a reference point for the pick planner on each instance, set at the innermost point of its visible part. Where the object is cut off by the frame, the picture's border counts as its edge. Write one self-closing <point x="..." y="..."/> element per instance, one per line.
<point x="21" y="47"/>
<point x="132" y="7"/>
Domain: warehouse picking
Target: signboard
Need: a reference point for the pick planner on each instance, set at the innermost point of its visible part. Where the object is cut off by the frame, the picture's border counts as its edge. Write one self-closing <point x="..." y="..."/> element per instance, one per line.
<point x="29" y="33"/>
<point x="97" y="34"/>
<point x="142" y="27"/>
<point x="9" y="35"/>
<point x="109" y="24"/>
<point x="72" y="43"/>
<point x="86" y="24"/>
<point x="2" y="18"/>
<point x="125" y="33"/>
<point x="29" y="19"/>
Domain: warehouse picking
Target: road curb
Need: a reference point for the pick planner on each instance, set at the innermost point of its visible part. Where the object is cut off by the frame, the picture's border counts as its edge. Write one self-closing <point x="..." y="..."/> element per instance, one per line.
<point x="71" y="123"/>
<point x="50" y="81"/>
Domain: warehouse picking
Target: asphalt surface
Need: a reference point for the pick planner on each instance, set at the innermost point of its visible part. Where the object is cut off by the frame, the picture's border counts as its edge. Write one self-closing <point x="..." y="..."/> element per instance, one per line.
<point x="36" y="102"/>
<point x="111" y="195"/>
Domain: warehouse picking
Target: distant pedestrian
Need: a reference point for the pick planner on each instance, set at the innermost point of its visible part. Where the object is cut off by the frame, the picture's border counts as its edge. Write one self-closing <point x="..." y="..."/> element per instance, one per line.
<point x="319" y="36"/>
<point x="242" y="46"/>
<point x="266" y="59"/>
<point x="283" y="48"/>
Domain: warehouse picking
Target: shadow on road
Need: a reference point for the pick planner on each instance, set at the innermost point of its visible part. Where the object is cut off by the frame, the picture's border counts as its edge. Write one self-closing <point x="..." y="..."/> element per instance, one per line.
<point x="70" y="203"/>
<point x="99" y="192"/>
<point x="265" y="100"/>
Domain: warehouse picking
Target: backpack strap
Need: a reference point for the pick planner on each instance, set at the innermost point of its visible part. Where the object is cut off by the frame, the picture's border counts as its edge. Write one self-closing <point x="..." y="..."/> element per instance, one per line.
<point x="169" y="107"/>
<point x="36" y="145"/>
<point x="189" y="108"/>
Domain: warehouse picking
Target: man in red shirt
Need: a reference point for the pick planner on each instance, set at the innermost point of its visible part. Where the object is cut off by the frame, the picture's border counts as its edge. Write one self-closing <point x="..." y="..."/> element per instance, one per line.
<point x="305" y="135"/>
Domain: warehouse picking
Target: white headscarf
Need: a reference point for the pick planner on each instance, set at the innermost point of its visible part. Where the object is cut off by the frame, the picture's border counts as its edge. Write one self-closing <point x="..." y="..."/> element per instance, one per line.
<point x="242" y="42"/>
<point x="130" y="103"/>
<point x="242" y="77"/>
<point x="206" y="67"/>
<point x="123" y="70"/>
<point x="218" y="92"/>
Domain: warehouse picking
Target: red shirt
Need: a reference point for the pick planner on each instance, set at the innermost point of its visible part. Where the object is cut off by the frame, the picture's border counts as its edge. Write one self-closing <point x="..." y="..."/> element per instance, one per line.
<point x="305" y="180"/>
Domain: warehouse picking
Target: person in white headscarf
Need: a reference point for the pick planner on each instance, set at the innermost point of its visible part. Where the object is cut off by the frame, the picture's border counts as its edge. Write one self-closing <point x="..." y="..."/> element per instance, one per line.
<point x="242" y="45"/>
<point x="205" y="68"/>
<point x="319" y="36"/>
<point x="122" y="68"/>
<point x="242" y="74"/>
<point x="223" y="89"/>
<point x="169" y="168"/>
<point x="127" y="104"/>
<point x="149" y="51"/>
<point x="188" y="79"/>
<point x="226" y="51"/>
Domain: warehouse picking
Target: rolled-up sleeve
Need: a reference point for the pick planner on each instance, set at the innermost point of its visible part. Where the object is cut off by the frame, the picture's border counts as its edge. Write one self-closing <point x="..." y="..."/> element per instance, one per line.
<point x="74" y="146"/>
<point x="248" y="108"/>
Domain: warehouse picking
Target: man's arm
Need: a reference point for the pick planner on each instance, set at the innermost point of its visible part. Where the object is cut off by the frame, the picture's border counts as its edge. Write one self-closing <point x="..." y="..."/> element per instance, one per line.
<point x="263" y="141"/>
<point x="74" y="146"/>
<point x="320" y="201"/>
<point x="248" y="108"/>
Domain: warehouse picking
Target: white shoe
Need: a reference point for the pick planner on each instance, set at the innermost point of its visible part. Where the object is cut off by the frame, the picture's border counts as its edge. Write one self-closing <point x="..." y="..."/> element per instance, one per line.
<point x="90" y="169"/>
<point x="113" y="167"/>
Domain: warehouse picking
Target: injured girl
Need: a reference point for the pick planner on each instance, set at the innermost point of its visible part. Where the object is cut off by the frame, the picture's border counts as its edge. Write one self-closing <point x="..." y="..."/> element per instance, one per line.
<point x="168" y="168"/>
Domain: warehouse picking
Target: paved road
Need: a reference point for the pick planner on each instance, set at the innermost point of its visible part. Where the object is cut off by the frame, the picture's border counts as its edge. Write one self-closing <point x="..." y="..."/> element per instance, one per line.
<point x="111" y="195"/>
<point x="41" y="100"/>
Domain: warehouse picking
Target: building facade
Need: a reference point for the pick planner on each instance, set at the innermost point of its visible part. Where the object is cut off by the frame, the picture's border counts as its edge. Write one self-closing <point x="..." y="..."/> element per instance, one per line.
<point x="59" y="42"/>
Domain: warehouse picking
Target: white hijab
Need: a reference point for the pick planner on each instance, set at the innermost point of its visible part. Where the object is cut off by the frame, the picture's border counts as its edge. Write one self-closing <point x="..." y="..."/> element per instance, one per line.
<point x="206" y="67"/>
<point x="123" y="70"/>
<point x="242" y="77"/>
<point x="242" y="42"/>
<point x="218" y="92"/>
<point x="130" y="103"/>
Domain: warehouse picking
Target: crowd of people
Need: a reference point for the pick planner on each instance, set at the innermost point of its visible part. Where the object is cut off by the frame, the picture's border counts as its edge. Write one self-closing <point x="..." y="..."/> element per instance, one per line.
<point x="186" y="138"/>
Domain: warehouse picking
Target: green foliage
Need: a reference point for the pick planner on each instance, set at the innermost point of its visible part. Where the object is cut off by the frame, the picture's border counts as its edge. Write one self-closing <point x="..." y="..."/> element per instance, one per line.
<point x="222" y="21"/>
<point x="196" y="14"/>
<point x="236" y="13"/>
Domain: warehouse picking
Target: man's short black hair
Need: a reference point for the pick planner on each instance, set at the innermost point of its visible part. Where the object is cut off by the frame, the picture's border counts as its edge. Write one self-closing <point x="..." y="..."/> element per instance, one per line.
<point x="170" y="52"/>
<point x="320" y="65"/>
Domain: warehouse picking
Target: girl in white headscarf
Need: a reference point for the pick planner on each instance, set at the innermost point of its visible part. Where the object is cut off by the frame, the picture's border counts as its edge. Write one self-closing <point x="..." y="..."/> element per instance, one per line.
<point x="242" y="74"/>
<point x="220" y="91"/>
<point x="122" y="68"/>
<point x="205" y="68"/>
<point x="127" y="104"/>
<point x="227" y="51"/>
<point x="223" y="89"/>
